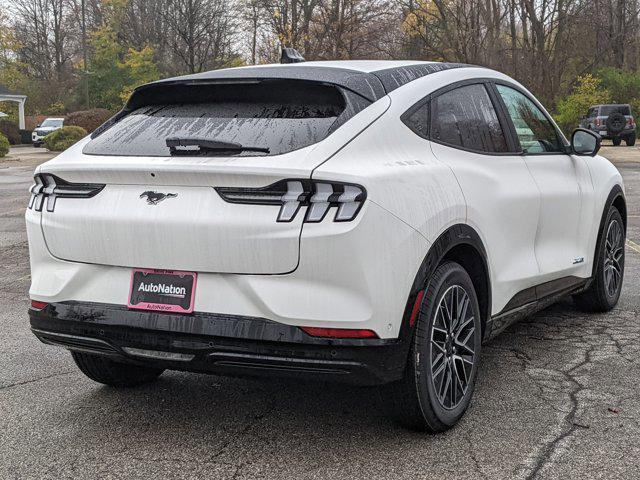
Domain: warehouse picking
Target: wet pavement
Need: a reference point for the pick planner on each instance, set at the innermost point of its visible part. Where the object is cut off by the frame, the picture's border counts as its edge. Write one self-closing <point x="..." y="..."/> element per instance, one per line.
<point x="557" y="397"/>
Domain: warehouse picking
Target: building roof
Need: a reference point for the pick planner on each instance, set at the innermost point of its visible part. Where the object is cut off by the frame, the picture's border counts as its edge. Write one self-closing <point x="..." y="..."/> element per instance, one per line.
<point x="5" y="91"/>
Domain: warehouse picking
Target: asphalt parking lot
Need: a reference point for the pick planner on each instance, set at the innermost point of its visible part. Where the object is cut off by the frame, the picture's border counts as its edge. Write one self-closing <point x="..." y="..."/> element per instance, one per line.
<point x="557" y="397"/>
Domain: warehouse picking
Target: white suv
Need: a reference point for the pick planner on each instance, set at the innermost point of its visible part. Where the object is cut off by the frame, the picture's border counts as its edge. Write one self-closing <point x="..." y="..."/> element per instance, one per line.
<point x="45" y="128"/>
<point x="362" y="221"/>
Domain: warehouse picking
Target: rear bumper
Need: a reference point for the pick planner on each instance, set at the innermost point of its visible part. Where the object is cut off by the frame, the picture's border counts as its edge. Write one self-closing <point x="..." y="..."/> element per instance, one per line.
<point x="627" y="132"/>
<point x="219" y="344"/>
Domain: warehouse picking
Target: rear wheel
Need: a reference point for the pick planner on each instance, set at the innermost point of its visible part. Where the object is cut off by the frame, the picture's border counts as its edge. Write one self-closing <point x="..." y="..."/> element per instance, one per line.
<point x="617" y="141"/>
<point x="604" y="291"/>
<point x="630" y="140"/>
<point x="102" y="369"/>
<point x="442" y="366"/>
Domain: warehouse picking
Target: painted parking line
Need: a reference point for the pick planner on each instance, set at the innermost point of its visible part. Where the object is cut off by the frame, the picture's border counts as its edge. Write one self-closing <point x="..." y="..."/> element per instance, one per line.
<point x="633" y="246"/>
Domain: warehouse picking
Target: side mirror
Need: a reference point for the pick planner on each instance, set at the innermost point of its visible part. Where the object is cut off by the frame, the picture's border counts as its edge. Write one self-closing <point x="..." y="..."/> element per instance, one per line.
<point x="585" y="142"/>
<point x="39" y="125"/>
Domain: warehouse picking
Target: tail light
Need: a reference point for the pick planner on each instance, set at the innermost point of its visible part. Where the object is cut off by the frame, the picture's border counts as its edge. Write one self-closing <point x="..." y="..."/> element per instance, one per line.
<point x="338" y="332"/>
<point x="597" y="122"/>
<point x="293" y="194"/>
<point x="631" y="122"/>
<point x="38" y="305"/>
<point x="50" y="187"/>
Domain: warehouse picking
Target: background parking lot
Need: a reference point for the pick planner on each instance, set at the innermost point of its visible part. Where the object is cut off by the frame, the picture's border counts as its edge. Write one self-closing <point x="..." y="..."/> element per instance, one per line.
<point x="557" y="397"/>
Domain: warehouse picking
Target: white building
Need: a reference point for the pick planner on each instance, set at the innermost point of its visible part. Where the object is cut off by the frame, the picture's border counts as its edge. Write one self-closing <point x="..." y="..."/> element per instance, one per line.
<point x="8" y="96"/>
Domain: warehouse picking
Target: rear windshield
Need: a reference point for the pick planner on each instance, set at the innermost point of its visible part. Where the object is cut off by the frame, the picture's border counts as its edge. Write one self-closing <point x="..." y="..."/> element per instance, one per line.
<point x="606" y="110"/>
<point x="52" y="122"/>
<point x="280" y="116"/>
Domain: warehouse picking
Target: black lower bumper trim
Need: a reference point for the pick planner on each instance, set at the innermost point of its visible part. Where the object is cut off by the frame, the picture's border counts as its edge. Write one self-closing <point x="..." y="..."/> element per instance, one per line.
<point x="74" y="342"/>
<point x="220" y="344"/>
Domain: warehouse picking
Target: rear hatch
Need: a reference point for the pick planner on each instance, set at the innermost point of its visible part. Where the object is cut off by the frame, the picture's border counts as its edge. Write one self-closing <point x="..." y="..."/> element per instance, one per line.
<point x="158" y="206"/>
<point x="608" y="110"/>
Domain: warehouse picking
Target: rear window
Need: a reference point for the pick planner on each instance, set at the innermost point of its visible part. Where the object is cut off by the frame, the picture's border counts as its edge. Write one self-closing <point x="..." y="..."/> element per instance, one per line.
<point x="280" y="116"/>
<point x="606" y="110"/>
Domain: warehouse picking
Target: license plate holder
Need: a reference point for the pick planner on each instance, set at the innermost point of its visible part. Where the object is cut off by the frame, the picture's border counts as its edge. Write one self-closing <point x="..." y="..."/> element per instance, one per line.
<point x="169" y="291"/>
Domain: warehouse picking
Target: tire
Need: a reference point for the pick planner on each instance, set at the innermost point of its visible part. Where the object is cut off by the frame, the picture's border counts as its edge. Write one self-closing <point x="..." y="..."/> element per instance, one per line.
<point x="102" y="369"/>
<point x="615" y="123"/>
<point x="617" y="141"/>
<point x="630" y="140"/>
<point x="416" y="401"/>
<point x="602" y="296"/>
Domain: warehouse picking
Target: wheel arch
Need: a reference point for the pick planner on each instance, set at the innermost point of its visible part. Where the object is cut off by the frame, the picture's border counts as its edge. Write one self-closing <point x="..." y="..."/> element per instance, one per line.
<point x="615" y="198"/>
<point x="462" y="244"/>
<point x="620" y="203"/>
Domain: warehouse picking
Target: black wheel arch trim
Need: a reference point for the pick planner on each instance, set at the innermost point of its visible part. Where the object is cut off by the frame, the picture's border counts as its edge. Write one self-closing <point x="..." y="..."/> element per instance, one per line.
<point x="615" y="195"/>
<point x="456" y="235"/>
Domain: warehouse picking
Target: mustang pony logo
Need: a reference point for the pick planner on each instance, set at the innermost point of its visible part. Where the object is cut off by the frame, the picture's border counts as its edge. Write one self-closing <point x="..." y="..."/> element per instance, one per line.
<point x="154" y="198"/>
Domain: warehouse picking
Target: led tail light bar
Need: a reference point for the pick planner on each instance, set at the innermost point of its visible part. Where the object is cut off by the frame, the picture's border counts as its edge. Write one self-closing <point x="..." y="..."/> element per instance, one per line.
<point x="293" y="194"/>
<point x="49" y="187"/>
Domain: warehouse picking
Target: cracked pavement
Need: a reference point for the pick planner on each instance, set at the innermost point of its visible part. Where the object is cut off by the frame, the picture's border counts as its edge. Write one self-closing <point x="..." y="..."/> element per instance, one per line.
<point x="557" y="397"/>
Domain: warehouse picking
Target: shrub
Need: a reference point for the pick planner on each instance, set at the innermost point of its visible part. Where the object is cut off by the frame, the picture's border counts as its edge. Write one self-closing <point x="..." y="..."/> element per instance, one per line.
<point x="589" y="92"/>
<point x="88" y="119"/>
<point x="4" y="145"/>
<point x="25" y="136"/>
<point x="63" y="138"/>
<point x="11" y="131"/>
<point x="623" y="85"/>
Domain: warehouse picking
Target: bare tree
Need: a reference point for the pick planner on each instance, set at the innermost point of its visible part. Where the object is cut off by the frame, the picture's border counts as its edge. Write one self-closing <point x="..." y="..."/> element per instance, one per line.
<point x="200" y="33"/>
<point x="290" y="20"/>
<point x="42" y="29"/>
<point x="252" y="15"/>
<point x="350" y="28"/>
<point x="544" y="43"/>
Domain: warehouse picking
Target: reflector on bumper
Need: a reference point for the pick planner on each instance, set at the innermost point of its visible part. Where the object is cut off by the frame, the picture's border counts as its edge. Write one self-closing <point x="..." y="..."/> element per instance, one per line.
<point x="339" y="332"/>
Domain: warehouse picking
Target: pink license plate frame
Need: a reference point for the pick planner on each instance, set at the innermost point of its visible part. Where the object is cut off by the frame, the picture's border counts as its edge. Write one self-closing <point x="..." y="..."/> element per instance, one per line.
<point x="159" y="306"/>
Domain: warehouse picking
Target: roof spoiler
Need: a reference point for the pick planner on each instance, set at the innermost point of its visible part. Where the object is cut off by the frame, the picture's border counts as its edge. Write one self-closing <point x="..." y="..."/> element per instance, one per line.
<point x="291" y="55"/>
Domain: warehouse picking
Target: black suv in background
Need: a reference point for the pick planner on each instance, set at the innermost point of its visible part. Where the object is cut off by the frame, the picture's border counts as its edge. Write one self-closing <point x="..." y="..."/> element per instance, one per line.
<point x="613" y="122"/>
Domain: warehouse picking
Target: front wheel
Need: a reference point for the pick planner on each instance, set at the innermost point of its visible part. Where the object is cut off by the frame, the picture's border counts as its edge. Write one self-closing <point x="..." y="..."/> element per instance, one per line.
<point x="443" y="360"/>
<point x="606" y="285"/>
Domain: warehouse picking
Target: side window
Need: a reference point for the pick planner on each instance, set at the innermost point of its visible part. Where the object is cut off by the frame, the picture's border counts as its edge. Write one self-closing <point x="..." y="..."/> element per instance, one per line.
<point x="535" y="132"/>
<point x="418" y="120"/>
<point x="465" y="117"/>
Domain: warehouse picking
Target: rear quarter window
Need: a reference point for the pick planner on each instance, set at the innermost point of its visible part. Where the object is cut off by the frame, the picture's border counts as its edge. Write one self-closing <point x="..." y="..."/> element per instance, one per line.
<point x="281" y="116"/>
<point x="465" y="117"/>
